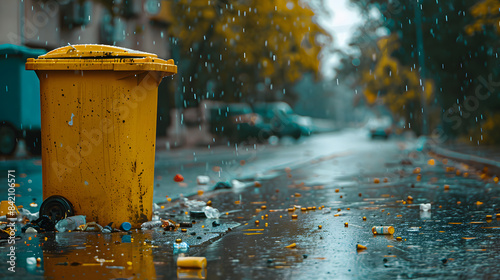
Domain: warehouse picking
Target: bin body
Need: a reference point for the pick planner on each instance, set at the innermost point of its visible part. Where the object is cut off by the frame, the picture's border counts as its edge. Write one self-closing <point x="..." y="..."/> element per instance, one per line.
<point x="98" y="132"/>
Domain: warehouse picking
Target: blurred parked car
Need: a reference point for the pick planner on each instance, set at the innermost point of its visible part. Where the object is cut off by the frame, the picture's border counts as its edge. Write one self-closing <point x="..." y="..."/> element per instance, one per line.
<point x="380" y="127"/>
<point x="283" y="121"/>
<point x="238" y="123"/>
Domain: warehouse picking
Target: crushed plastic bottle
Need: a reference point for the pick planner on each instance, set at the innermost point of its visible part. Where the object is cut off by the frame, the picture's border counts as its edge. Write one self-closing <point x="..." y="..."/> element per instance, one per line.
<point x="151" y="224"/>
<point x="326" y="210"/>
<point x="182" y="247"/>
<point x="192" y="204"/>
<point x="425" y="207"/>
<point x="71" y="223"/>
<point x="25" y="213"/>
<point x="211" y="213"/>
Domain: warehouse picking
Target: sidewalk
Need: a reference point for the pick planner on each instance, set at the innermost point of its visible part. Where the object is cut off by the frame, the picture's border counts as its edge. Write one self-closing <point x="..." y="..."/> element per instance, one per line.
<point x="479" y="157"/>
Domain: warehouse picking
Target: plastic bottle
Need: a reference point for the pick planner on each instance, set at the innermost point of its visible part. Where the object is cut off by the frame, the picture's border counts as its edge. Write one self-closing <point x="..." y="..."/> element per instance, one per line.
<point x="383" y="230"/>
<point x="182" y="247"/>
<point x="211" y="213"/>
<point x="70" y="223"/>
<point x="151" y="224"/>
<point x="425" y="207"/>
<point x="125" y="226"/>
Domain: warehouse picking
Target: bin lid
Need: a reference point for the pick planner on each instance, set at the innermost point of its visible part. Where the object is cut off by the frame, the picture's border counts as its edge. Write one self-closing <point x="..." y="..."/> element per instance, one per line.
<point x="100" y="57"/>
<point x="94" y="51"/>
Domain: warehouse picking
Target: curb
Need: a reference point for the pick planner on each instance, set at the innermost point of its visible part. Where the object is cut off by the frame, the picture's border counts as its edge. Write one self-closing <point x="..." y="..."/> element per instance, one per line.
<point x="493" y="167"/>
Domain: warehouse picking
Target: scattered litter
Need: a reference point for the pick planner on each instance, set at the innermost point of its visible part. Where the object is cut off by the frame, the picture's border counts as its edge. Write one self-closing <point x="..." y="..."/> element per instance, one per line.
<point x="178" y="178"/>
<point x="425" y="207"/>
<point x="31" y="261"/>
<point x="222" y="185"/>
<point x="383" y="230"/>
<point x="211" y="213"/>
<point x="25" y="213"/>
<point x="151" y="225"/>
<point x="70" y="223"/>
<point x="125" y="226"/>
<point x="31" y="230"/>
<point x="293" y="245"/>
<point x="202" y="180"/>
<point x="90" y="227"/>
<point x="192" y="203"/>
<point x="239" y="184"/>
<point x="42" y="224"/>
<point x="156" y="207"/>
<point x="360" y="247"/>
<point x="197" y="214"/>
<point x="191" y="262"/>
<point x="181" y="247"/>
<point x="108" y="228"/>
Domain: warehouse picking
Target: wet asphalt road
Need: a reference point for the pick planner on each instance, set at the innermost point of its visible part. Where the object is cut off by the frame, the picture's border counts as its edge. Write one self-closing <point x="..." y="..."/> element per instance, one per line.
<point x="454" y="240"/>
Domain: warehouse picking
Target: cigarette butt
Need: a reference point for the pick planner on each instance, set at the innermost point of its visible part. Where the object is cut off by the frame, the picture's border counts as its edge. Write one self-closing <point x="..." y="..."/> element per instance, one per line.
<point x="293" y="245"/>
<point x="191" y="262"/>
<point x="360" y="247"/>
<point x="294" y="216"/>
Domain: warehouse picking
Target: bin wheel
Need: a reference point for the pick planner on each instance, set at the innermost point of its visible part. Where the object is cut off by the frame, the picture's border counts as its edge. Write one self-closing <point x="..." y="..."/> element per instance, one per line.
<point x="57" y="208"/>
<point x="8" y="139"/>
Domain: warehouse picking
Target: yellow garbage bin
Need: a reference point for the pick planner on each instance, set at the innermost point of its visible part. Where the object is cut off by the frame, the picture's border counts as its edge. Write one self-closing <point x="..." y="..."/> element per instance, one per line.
<point x="98" y="124"/>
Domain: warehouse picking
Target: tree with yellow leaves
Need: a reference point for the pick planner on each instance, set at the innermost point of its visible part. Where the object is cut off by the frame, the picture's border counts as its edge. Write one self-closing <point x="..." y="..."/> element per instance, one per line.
<point x="486" y="14"/>
<point x="396" y="86"/>
<point x="244" y="50"/>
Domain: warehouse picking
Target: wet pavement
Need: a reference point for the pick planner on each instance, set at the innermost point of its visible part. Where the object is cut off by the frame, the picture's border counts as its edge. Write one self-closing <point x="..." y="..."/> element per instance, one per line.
<point x="346" y="174"/>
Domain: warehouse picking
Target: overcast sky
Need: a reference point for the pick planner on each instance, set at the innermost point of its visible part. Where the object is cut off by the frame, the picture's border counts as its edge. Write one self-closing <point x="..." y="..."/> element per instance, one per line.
<point x="343" y="20"/>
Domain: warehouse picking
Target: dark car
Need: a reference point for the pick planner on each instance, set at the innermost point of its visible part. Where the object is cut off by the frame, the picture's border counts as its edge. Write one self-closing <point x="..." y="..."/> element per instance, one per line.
<point x="238" y="123"/>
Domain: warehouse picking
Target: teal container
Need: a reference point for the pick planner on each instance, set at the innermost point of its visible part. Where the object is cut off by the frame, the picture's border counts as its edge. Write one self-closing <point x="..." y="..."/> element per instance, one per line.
<point x="19" y="100"/>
